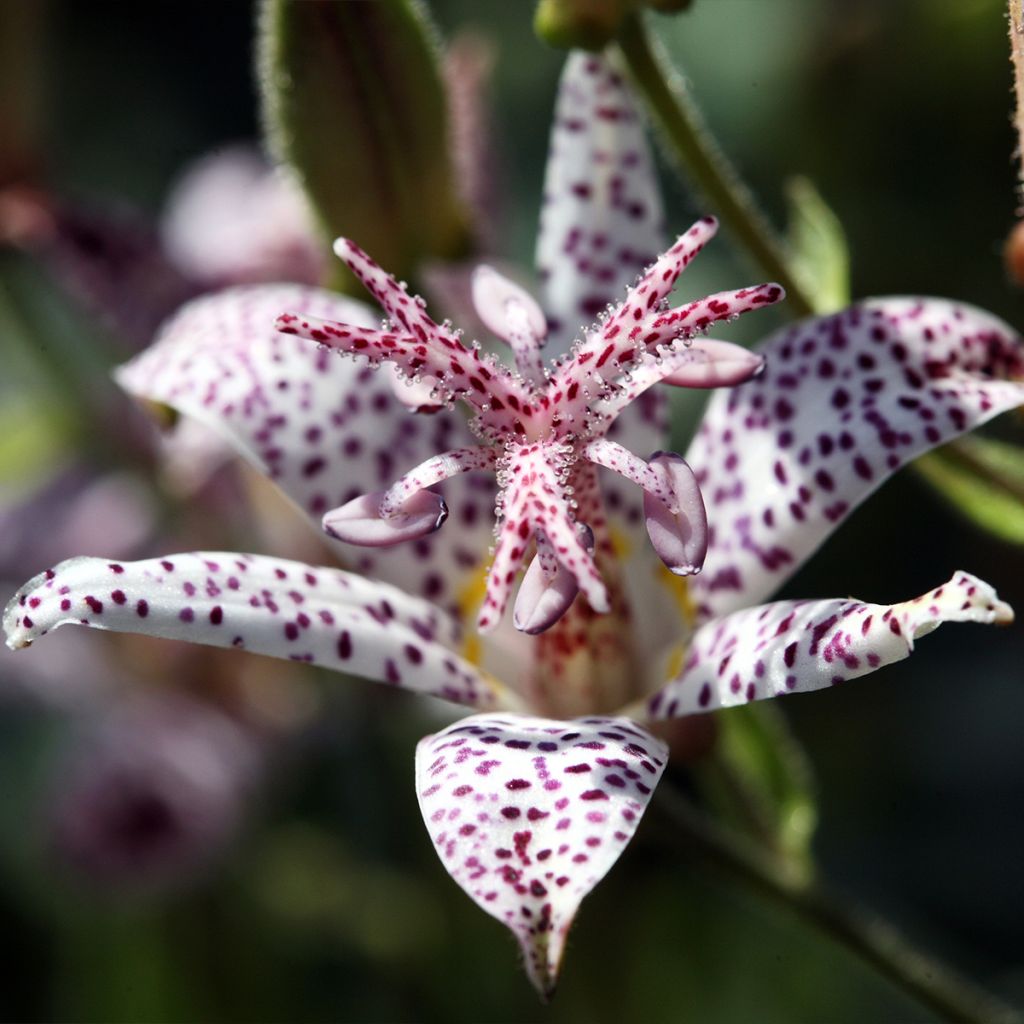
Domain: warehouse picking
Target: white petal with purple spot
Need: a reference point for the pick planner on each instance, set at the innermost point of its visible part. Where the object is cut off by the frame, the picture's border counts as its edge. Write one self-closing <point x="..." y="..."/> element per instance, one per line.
<point x="791" y="646"/>
<point x="325" y="429"/>
<point x="529" y="814"/>
<point x="601" y="222"/>
<point x="844" y="401"/>
<point x="264" y="605"/>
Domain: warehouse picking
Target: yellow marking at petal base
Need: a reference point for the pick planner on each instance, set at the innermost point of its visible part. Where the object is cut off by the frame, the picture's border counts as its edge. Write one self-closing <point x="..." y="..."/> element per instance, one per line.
<point x="469" y="600"/>
<point x="674" y="661"/>
<point x="679" y="588"/>
<point x="621" y="544"/>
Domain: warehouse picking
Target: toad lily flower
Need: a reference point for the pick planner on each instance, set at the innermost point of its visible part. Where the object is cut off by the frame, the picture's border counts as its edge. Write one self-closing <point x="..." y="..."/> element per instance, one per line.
<point x="531" y="800"/>
<point x="544" y="431"/>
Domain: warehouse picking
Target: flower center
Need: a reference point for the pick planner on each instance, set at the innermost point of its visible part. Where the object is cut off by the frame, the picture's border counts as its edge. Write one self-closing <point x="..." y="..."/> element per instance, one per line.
<point x="542" y="428"/>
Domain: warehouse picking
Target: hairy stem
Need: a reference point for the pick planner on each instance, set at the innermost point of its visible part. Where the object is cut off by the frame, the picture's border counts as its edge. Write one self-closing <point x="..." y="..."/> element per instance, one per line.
<point x="682" y="125"/>
<point x="867" y="934"/>
<point x="1016" y="10"/>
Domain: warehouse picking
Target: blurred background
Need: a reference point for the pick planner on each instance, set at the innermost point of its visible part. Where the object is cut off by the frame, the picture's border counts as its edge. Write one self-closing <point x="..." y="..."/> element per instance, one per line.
<point x="290" y="878"/>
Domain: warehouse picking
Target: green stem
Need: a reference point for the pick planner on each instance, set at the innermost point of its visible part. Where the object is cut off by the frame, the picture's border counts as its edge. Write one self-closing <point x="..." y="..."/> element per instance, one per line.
<point x="868" y="935"/>
<point x="1016" y="19"/>
<point x="683" y="127"/>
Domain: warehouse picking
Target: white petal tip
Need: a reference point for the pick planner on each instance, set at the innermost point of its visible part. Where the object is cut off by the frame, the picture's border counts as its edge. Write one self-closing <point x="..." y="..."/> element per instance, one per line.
<point x="543" y="968"/>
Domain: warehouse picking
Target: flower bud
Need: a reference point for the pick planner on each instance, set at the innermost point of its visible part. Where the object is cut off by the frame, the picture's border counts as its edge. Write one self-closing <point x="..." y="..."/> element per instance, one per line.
<point x="580" y="24"/>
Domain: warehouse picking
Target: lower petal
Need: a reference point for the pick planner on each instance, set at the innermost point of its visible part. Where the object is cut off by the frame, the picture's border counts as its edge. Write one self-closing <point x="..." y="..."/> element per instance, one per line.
<point x="529" y="814"/>
<point x="791" y="646"/>
<point x="264" y="605"/>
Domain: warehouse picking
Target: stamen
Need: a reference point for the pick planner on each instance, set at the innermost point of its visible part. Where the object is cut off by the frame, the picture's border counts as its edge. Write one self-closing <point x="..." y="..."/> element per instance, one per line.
<point x="546" y="556"/>
<point x="536" y="499"/>
<point x="548" y="588"/>
<point x="433" y="471"/>
<point x="712" y="364"/>
<point x="525" y="344"/>
<point x="511" y="314"/>
<point x="543" y="430"/>
<point x="360" y="522"/>
<point x="622" y="461"/>
<point x="699" y="364"/>
<point x="416" y="396"/>
<point x="680" y="538"/>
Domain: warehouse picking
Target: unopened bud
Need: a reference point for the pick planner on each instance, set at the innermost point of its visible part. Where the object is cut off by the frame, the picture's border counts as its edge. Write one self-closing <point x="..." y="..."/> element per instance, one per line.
<point x="580" y="24"/>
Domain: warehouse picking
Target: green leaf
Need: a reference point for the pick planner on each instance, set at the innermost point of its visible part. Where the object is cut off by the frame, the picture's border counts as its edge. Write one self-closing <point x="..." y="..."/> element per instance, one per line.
<point x="984" y="480"/>
<point x="761" y="782"/>
<point x="354" y="102"/>
<point x="819" y="258"/>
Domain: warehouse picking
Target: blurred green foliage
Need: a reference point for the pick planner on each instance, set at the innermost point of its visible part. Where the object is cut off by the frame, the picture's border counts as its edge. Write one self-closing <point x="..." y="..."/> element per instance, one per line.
<point x="817" y="245"/>
<point x="984" y="479"/>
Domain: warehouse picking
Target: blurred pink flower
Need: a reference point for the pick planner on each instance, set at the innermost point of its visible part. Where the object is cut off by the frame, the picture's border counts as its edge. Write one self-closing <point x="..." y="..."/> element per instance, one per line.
<point x="151" y="791"/>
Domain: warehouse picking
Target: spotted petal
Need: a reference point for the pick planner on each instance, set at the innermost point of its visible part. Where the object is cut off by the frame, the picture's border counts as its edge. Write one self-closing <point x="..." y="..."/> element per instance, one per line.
<point x="326" y="429"/>
<point x="529" y="814"/>
<point x="264" y="605"/>
<point x="792" y="646"/>
<point x="844" y="401"/>
<point x="601" y="223"/>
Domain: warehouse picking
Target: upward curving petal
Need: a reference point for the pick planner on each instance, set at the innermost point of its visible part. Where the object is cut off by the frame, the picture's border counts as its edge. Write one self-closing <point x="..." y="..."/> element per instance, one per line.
<point x="844" y="401"/>
<point x="264" y="605"/>
<point x="326" y="429"/>
<point x="529" y="814"/>
<point x="792" y="646"/>
<point x="601" y="223"/>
